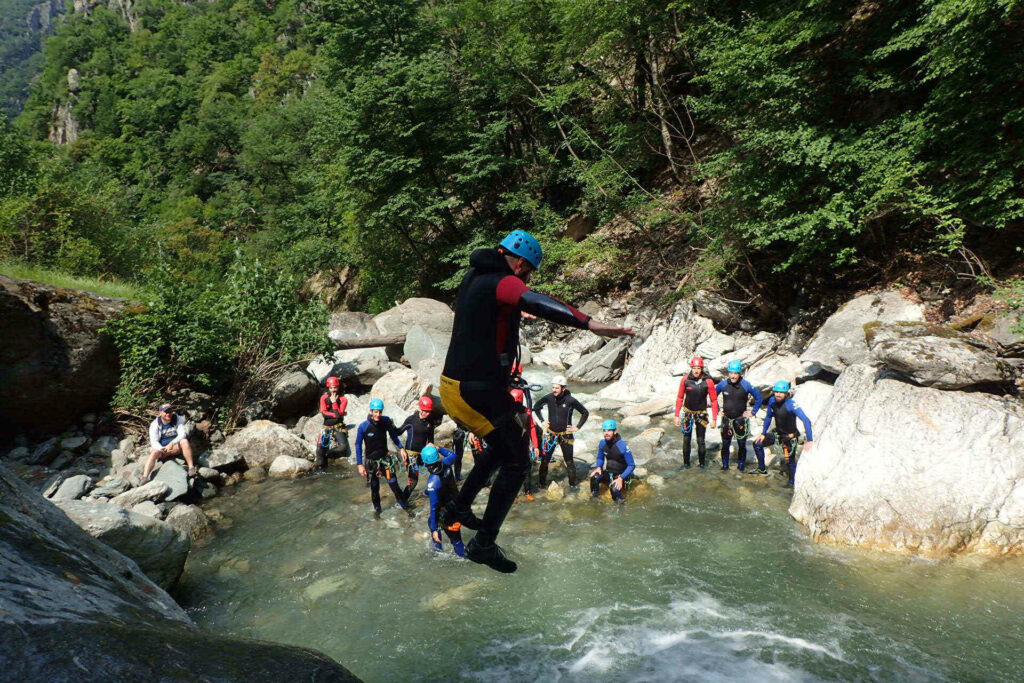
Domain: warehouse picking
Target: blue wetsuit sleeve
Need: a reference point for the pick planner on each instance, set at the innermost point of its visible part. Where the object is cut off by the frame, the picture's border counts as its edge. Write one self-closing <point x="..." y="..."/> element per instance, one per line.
<point x="600" y="453"/>
<point x="799" y="412"/>
<point x="628" y="455"/>
<point x="360" y="435"/>
<point x="433" y="484"/>
<point x="758" y="398"/>
<point x="720" y="386"/>
<point x="447" y="457"/>
<point x="769" y="414"/>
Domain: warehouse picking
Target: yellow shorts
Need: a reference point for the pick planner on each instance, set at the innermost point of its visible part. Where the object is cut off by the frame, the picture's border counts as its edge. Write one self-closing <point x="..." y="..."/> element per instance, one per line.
<point x="460" y="411"/>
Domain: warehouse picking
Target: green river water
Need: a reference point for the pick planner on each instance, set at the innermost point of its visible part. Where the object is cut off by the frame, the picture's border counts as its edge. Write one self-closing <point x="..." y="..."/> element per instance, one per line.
<point x="706" y="578"/>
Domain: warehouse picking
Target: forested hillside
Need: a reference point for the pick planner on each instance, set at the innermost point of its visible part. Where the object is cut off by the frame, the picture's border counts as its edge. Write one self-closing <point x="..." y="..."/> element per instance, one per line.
<point x="23" y="25"/>
<point x="761" y="148"/>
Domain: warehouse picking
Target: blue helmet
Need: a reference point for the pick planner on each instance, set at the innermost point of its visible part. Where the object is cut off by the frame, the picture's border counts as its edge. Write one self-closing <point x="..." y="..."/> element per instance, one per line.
<point x="522" y="243"/>
<point x="609" y="424"/>
<point x="376" y="404"/>
<point x="782" y="386"/>
<point x="735" y="366"/>
<point x="429" y="455"/>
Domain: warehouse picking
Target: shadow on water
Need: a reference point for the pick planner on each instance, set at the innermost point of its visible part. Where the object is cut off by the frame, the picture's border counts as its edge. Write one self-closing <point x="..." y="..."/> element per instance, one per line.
<point x="705" y="579"/>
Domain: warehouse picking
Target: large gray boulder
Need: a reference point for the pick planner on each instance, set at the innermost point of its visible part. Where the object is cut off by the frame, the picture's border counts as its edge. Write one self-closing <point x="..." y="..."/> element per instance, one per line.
<point x="348" y="325"/>
<point x="47" y="333"/>
<point x="767" y="371"/>
<point x="352" y="366"/>
<point x="602" y="365"/>
<point x="295" y="393"/>
<point x="915" y="469"/>
<point x="649" y="371"/>
<point x="262" y="441"/>
<point x="73" y="609"/>
<point x="426" y="349"/>
<point x="433" y="316"/>
<point x="399" y="389"/>
<point x="224" y="459"/>
<point x="936" y="356"/>
<point x="841" y="341"/>
<point x="812" y="396"/>
<point x="158" y="549"/>
<point x="748" y="351"/>
<point x="724" y="313"/>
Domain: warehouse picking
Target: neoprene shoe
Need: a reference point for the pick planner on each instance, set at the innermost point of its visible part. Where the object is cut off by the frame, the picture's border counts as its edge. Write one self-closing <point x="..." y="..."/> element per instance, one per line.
<point x="466" y="519"/>
<point x="491" y="555"/>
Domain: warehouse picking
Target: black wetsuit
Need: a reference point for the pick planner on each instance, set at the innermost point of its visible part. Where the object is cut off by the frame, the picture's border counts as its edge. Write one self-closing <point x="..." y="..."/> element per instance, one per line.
<point x="560" y="409"/>
<point x="419" y="432"/>
<point x="735" y="396"/>
<point x="477" y="371"/>
<point x="691" y="407"/>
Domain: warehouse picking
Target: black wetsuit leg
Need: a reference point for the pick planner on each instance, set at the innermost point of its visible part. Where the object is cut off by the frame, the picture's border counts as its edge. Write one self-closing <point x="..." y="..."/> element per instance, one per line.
<point x="570" y="465"/>
<point x="595" y="483"/>
<point x="727" y="443"/>
<point x="701" y="431"/>
<point x="415" y="463"/>
<point x="459" y="446"/>
<point x="373" y="474"/>
<point x="507" y="452"/>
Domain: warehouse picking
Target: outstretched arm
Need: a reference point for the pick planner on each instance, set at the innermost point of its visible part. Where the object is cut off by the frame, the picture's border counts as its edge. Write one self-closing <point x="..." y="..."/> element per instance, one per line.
<point x="513" y="292"/>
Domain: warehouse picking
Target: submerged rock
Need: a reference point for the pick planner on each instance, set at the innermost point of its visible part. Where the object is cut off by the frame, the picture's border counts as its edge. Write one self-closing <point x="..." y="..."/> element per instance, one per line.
<point x="901" y="467"/>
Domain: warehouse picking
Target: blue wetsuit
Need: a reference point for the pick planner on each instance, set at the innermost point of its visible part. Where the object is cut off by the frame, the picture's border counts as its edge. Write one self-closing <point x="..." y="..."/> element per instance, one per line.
<point x="441" y="489"/>
<point x="734" y="404"/>
<point x="615" y="460"/>
<point x="378" y="460"/>
<point x="785" y="414"/>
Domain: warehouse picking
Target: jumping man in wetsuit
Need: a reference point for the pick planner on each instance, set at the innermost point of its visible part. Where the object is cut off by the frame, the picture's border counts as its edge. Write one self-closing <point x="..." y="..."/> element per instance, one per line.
<point x="696" y="390"/>
<point x="785" y="413"/>
<point x="735" y="393"/>
<point x="560" y="405"/>
<point x="374" y="433"/>
<point x="441" y="488"/>
<point x="419" y="430"/>
<point x="332" y="406"/>
<point x="614" y="463"/>
<point x="478" y="370"/>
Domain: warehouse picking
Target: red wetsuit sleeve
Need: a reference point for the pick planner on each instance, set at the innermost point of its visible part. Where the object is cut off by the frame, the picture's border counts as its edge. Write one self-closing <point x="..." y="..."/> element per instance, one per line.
<point x="342" y="406"/>
<point x="680" y="395"/>
<point x="533" y="434"/>
<point x="510" y="289"/>
<point x="325" y="407"/>
<point x="713" y="397"/>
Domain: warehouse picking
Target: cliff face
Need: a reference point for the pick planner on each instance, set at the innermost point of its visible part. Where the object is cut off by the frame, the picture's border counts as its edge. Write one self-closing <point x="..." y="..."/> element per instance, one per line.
<point x="54" y="363"/>
<point x="73" y="609"/>
<point x="24" y="24"/>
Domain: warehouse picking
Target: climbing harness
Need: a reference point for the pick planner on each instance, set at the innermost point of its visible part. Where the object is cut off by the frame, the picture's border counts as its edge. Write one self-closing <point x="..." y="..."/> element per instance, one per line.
<point x="691" y="416"/>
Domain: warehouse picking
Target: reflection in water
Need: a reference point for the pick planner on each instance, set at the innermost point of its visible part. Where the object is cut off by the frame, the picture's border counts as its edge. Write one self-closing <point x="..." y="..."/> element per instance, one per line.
<point x="705" y="578"/>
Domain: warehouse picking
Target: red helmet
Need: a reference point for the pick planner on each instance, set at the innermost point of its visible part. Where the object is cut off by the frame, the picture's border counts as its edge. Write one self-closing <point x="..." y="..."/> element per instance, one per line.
<point x="696" y="362"/>
<point x="517" y="394"/>
<point x="333" y="382"/>
<point x="426" y="404"/>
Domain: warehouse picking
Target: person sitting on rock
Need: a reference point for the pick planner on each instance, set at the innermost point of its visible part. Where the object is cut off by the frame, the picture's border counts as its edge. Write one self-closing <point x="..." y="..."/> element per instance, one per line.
<point x="441" y="488"/>
<point x="373" y="434"/>
<point x="696" y="390"/>
<point x="419" y="431"/>
<point x="736" y="392"/>
<point x="520" y="398"/>
<point x="168" y="437"/>
<point x="785" y="413"/>
<point x="560" y="405"/>
<point x="615" y="463"/>
<point x="332" y="406"/>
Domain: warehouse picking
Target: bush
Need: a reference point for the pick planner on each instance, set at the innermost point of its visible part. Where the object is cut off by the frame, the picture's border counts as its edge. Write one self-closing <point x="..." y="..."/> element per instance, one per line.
<point x="231" y="339"/>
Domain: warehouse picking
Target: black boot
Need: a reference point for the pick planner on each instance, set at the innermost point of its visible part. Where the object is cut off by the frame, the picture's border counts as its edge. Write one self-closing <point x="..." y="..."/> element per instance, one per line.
<point x="490" y="555"/>
<point x="465" y="518"/>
